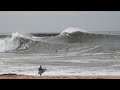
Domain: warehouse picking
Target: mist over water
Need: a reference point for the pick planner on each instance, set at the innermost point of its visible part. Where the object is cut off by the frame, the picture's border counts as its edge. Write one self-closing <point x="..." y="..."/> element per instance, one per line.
<point x="72" y="52"/>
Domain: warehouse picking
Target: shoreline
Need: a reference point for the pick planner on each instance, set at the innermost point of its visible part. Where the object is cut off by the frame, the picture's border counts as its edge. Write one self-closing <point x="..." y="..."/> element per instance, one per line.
<point x="22" y="76"/>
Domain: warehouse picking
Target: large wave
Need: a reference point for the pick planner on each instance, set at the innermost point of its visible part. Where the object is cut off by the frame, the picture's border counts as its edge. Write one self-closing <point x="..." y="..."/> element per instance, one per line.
<point x="13" y="43"/>
<point x="74" y="35"/>
<point x="68" y="39"/>
<point x="25" y="43"/>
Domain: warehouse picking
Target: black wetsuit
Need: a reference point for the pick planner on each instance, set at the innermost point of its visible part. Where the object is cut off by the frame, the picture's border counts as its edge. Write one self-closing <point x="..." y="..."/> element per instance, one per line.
<point x="40" y="71"/>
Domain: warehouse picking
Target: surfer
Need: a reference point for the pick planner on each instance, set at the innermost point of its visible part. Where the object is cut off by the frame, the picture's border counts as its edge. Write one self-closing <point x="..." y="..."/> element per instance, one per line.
<point x="41" y="70"/>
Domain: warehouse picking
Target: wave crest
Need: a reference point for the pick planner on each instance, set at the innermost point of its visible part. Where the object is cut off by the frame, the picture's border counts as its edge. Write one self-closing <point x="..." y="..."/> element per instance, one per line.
<point x="27" y="43"/>
<point x="14" y="42"/>
<point x="71" y="30"/>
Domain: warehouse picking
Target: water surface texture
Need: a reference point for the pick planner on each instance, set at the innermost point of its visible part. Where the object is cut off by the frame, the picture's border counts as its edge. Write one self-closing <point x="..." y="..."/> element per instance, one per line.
<point x="71" y="52"/>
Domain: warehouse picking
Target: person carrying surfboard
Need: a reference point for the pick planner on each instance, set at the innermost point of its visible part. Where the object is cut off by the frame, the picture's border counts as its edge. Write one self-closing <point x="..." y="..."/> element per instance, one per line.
<point x="41" y="70"/>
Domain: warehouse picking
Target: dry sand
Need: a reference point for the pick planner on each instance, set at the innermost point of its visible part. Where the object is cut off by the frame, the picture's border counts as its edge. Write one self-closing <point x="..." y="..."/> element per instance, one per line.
<point x="20" y="76"/>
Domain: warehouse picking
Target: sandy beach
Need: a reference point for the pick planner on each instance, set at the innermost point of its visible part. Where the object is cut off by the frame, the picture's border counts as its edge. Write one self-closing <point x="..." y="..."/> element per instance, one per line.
<point x="21" y="76"/>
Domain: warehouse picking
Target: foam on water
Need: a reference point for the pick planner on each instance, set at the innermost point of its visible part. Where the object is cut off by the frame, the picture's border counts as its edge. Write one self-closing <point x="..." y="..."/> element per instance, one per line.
<point x="74" y="52"/>
<point x="72" y="30"/>
<point x="8" y="44"/>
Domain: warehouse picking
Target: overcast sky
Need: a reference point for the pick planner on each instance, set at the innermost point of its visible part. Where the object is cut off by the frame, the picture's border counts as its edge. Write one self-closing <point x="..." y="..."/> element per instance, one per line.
<point x="57" y="21"/>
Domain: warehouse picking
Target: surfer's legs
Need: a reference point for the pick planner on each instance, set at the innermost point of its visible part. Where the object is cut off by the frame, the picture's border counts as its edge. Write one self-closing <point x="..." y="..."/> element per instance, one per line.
<point x="40" y="74"/>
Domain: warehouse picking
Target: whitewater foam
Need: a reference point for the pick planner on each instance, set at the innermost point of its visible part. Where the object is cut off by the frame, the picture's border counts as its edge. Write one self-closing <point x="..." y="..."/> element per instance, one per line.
<point x="80" y="57"/>
<point x="25" y="35"/>
<point x="8" y="44"/>
<point x="72" y="30"/>
<point x="11" y="43"/>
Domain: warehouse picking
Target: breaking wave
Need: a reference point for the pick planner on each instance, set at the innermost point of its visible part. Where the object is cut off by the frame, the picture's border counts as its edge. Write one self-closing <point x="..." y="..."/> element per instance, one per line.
<point x="71" y="39"/>
<point x="14" y="42"/>
<point x="75" y="35"/>
<point x="72" y="30"/>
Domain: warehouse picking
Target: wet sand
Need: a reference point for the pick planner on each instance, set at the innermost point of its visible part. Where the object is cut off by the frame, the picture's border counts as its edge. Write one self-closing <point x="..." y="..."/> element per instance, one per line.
<point x="21" y="76"/>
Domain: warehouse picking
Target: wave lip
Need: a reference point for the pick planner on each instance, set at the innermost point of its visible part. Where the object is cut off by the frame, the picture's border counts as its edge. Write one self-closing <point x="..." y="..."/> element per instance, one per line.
<point x="71" y="30"/>
<point x="74" y="35"/>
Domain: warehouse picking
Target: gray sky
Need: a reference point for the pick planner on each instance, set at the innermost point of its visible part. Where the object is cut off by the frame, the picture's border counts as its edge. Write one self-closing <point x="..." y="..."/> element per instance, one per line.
<point x="57" y="21"/>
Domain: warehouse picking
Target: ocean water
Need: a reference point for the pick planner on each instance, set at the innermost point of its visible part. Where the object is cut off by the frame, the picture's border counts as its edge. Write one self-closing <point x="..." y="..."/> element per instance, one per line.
<point x="71" y="52"/>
